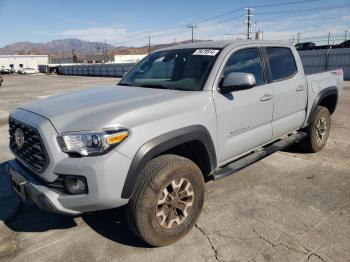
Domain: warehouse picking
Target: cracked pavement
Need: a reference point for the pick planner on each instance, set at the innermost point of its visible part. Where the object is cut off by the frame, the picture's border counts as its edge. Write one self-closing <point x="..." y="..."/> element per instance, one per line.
<point x="290" y="206"/>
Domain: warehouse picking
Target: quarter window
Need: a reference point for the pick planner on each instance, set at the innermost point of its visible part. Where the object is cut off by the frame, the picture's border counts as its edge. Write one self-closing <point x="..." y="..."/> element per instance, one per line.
<point x="246" y="61"/>
<point x="282" y="62"/>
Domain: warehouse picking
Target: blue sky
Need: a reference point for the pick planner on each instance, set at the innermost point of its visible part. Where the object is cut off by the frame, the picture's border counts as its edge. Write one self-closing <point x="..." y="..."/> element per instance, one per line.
<point x="127" y="22"/>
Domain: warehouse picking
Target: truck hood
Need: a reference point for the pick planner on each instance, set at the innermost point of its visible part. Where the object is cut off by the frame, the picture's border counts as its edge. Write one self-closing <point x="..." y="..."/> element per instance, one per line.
<point x="105" y="107"/>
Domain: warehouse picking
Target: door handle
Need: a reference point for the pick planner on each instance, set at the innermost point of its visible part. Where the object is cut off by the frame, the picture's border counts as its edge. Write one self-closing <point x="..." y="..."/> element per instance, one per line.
<point x="300" y="88"/>
<point x="266" y="97"/>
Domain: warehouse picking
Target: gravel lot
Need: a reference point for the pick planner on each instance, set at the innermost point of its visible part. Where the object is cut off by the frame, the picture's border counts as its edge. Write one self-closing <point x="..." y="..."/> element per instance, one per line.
<point x="288" y="207"/>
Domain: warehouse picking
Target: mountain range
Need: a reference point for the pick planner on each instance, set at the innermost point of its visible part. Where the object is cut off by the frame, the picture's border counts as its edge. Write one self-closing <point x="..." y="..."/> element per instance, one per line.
<point x="55" y="47"/>
<point x="66" y="47"/>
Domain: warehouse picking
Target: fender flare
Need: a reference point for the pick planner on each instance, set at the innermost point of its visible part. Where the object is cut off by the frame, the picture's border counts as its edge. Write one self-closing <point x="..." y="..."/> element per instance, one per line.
<point x="332" y="90"/>
<point x="162" y="143"/>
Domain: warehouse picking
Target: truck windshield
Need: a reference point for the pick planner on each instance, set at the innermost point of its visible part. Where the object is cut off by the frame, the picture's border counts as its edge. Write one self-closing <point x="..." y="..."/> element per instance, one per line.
<point x="181" y="69"/>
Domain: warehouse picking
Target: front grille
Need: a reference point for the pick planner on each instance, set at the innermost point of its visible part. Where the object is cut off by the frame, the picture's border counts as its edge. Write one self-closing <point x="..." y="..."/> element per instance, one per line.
<point x="32" y="152"/>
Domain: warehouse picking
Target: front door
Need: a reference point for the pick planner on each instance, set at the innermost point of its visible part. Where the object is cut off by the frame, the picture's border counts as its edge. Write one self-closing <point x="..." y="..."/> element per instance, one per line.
<point x="244" y="117"/>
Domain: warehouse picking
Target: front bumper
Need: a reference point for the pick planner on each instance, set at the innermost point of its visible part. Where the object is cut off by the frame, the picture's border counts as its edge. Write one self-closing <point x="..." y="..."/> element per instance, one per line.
<point x="105" y="175"/>
<point x="30" y="189"/>
<point x="104" y="182"/>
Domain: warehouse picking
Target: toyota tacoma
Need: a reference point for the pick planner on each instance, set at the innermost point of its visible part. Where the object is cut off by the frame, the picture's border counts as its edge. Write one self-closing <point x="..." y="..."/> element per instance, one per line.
<point x="184" y="115"/>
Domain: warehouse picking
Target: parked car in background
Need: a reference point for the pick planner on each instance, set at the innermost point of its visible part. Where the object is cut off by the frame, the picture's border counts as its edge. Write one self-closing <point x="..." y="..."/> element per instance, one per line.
<point x="27" y="71"/>
<point x="20" y="70"/>
<point x="305" y="46"/>
<point x="1" y="80"/>
<point x="5" y="70"/>
<point x="345" y="44"/>
<point x="320" y="47"/>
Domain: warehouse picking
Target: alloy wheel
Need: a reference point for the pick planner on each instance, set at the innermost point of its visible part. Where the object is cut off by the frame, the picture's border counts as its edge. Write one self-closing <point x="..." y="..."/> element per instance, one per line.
<point x="321" y="130"/>
<point x="174" y="203"/>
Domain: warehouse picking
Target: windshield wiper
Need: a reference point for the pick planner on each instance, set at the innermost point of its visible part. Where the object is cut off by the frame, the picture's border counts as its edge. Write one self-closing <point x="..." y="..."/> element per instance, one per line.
<point x="123" y="84"/>
<point x="153" y="86"/>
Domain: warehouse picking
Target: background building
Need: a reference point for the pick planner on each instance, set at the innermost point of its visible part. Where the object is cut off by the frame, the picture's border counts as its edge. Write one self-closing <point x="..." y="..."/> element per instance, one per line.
<point x="122" y="59"/>
<point x="24" y="61"/>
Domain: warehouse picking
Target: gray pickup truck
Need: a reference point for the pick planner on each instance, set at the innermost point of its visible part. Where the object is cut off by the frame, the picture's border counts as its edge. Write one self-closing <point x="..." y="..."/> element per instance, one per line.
<point x="182" y="116"/>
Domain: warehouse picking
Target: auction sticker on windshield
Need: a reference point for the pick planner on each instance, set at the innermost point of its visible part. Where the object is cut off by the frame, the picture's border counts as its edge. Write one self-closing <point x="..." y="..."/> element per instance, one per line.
<point x="210" y="52"/>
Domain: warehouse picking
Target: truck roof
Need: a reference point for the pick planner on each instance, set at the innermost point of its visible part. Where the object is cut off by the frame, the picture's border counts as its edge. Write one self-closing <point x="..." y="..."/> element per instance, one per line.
<point x="223" y="43"/>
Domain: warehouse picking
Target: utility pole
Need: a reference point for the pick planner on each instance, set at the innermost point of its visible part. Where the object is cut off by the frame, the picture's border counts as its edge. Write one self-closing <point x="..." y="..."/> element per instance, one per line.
<point x="346" y="35"/>
<point x="192" y="27"/>
<point x="293" y="40"/>
<point x="105" y="57"/>
<point x="329" y="36"/>
<point x="75" y="58"/>
<point x="299" y="37"/>
<point x="149" y="43"/>
<point x="174" y="41"/>
<point x="249" y="21"/>
<point x="98" y="52"/>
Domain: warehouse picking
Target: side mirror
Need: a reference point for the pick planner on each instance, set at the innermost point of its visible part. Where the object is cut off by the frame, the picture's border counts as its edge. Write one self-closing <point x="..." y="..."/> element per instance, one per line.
<point x="237" y="81"/>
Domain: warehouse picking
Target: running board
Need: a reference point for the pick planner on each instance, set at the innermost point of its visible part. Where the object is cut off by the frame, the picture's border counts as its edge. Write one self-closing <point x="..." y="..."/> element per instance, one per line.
<point x="243" y="162"/>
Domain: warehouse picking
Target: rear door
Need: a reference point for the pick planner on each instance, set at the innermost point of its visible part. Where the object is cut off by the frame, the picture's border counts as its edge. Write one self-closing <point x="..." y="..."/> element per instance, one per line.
<point x="289" y="89"/>
<point x="244" y="117"/>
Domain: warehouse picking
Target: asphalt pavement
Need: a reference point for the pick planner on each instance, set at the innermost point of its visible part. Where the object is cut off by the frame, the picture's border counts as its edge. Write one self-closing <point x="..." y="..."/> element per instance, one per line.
<point x="290" y="206"/>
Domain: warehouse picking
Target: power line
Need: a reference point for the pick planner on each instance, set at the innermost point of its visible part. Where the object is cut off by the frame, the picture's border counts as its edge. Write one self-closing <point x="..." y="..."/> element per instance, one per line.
<point x="137" y="35"/>
<point x="303" y="18"/>
<point x="287" y="3"/>
<point x="304" y="10"/>
<point x="319" y="38"/>
<point x="217" y="23"/>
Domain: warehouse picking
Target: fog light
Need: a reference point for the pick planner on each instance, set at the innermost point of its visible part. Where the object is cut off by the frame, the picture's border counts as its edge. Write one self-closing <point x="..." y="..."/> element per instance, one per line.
<point x="75" y="185"/>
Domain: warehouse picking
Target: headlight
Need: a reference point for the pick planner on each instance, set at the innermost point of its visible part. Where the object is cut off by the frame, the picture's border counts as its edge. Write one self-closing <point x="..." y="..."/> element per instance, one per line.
<point x="91" y="143"/>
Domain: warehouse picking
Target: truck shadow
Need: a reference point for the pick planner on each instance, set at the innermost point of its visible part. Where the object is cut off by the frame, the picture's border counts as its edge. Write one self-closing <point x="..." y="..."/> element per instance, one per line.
<point x="295" y="148"/>
<point x="111" y="224"/>
<point x="27" y="217"/>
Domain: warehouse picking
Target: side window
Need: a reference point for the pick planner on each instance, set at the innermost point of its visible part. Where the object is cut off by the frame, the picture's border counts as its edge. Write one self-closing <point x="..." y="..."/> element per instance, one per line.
<point x="282" y="62"/>
<point x="246" y="61"/>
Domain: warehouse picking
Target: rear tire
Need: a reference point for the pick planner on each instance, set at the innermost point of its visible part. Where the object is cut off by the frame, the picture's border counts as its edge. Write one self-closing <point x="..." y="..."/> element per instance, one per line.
<point x="167" y="200"/>
<point x="317" y="130"/>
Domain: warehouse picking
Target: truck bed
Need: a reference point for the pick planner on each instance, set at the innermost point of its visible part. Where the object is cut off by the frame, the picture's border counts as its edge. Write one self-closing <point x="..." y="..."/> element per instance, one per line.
<point x="320" y="81"/>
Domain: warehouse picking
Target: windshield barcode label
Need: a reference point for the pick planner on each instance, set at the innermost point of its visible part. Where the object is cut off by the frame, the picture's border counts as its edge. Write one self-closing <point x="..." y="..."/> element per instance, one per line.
<point x="210" y="52"/>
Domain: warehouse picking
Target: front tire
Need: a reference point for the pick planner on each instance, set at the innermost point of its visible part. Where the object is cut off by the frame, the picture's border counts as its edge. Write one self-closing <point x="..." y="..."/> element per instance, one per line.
<point x="167" y="200"/>
<point x="317" y="130"/>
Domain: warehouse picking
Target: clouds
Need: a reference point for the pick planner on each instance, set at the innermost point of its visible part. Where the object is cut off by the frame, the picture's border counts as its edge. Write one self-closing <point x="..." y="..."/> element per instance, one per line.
<point x="313" y="27"/>
<point x="95" y="33"/>
<point x="78" y="21"/>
